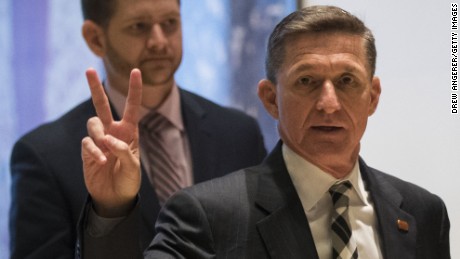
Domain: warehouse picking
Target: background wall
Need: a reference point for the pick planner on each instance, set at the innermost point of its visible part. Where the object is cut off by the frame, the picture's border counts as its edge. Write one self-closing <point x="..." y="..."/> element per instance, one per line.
<point x="43" y="59"/>
<point x="413" y="135"/>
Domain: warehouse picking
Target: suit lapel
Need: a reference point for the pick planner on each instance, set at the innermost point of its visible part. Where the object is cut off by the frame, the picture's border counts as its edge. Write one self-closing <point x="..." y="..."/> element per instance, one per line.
<point x="395" y="242"/>
<point x="200" y="137"/>
<point x="150" y="206"/>
<point x="285" y="230"/>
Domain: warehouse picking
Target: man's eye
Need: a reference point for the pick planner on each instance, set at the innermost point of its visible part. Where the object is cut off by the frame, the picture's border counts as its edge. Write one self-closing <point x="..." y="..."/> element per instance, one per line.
<point x="139" y="27"/>
<point x="170" y="22"/>
<point x="169" y="25"/>
<point x="306" y="80"/>
<point x="346" y="80"/>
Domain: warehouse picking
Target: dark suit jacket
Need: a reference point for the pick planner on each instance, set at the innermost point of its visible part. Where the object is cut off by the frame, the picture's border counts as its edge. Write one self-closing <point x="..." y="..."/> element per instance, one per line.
<point x="48" y="191"/>
<point x="256" y="213"/>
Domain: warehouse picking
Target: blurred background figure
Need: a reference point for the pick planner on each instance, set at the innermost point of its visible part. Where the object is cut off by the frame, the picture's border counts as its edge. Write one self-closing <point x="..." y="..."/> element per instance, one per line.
<point x="47" y="84"/>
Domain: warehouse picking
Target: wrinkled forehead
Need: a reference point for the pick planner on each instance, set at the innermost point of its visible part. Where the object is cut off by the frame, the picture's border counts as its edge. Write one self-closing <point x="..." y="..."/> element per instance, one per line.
<point x="330" y="42"/>
<point x="335" y="44"/>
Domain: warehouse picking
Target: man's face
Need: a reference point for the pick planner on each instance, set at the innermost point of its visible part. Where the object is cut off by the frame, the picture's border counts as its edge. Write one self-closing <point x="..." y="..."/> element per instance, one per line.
<point x="324" y="96"/>
<point x="145" y="34"/>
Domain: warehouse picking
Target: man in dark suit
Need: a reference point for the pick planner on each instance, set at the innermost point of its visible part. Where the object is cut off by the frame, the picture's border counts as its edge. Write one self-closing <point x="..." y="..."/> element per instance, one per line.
<point x="48" y="189"/>
<point x="313" y="196"/>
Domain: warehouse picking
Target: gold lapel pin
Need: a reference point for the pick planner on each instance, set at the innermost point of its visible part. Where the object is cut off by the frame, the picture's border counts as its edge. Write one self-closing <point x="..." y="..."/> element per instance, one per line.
<point x="403" y="225"/>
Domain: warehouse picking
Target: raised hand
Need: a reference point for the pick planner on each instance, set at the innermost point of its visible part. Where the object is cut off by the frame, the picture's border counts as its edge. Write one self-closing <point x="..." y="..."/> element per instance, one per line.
<point x="110" y="153"/>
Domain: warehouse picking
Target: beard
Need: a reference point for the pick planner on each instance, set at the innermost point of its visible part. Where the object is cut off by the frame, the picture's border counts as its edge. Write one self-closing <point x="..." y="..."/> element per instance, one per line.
<point x="153" y="72"/>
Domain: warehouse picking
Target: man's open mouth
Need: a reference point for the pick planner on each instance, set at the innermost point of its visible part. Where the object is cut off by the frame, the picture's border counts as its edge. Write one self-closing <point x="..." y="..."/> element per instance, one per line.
<point x="327" y="128"/>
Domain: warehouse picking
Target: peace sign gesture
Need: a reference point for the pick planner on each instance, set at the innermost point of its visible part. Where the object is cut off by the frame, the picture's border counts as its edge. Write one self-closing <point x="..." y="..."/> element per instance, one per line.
<point x="110" y="153"/>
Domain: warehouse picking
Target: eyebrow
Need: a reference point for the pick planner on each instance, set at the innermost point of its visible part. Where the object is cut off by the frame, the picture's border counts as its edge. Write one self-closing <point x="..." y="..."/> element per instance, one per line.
<point x="346" y="69"/>
<point x="310" y="65"/>
<point x="140" y="16"/>
<point x="304" y="66"/>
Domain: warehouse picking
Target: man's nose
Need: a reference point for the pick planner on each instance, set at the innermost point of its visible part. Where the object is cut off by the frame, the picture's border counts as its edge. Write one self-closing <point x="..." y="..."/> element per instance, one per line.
<point x="328" y="100"/>
<point x="157" y="39"/>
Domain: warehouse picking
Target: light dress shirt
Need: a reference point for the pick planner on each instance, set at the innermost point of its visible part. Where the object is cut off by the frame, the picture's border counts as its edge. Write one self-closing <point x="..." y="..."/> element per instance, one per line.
<point x="312" y="185"/>
<point x="171" y="109"/>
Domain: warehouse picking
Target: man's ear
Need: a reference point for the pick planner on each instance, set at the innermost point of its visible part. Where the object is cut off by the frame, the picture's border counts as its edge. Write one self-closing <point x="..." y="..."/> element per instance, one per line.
<point x="376" y="89"/>
<point x="94" y="36"/>
<point x="267" y="94"/>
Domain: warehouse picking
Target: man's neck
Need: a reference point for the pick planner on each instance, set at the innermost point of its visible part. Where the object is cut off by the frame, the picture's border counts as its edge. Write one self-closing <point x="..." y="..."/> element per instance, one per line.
<point x="152" y="95"/>
<point x="337" y="165"/>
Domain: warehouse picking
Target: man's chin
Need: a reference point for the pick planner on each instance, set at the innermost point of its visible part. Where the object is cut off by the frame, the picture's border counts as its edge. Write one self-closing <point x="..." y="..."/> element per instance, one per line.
<point x="157" y="76"/>
<point x="329" y="147"/>
<point x="157" y="80"/>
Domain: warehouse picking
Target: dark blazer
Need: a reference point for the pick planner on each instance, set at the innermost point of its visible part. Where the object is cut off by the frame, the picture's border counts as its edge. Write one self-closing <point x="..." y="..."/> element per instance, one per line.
<point x="256" y="213"/>
<point x="48" y="191"/>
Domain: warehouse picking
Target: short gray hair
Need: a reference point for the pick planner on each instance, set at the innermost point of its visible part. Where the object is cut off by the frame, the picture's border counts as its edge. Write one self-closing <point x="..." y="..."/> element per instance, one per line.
<point x="315" y="19"/>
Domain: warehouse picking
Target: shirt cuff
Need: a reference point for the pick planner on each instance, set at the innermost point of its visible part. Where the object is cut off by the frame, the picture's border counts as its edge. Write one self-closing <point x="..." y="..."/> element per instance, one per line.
<point x="98" y="226"/>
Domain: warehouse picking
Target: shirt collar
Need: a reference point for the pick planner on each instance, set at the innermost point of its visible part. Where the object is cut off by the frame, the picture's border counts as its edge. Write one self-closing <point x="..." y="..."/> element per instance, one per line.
<point x="311" y="183"/>
<point x="170" y="108"/>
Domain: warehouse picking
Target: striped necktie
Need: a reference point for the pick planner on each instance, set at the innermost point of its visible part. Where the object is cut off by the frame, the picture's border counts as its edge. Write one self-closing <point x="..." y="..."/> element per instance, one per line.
<point x="167" y="179"/>
<point x="343" y="245"/>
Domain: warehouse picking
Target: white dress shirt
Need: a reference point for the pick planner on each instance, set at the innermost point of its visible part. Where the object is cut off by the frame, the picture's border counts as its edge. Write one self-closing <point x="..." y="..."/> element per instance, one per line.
<point x="312" y="185"/>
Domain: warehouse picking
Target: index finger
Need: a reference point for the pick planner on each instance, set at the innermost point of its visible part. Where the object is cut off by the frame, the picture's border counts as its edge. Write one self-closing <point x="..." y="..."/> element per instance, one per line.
<point x="134" y="99"/>
<point x="100" y="100"/>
